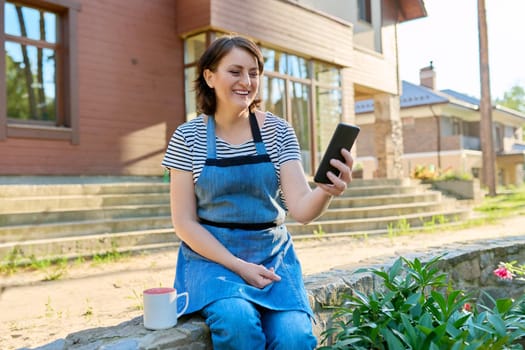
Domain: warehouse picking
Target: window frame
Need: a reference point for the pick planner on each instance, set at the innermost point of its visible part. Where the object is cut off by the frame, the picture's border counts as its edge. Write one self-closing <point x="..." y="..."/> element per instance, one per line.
<point x="66" y="72"/>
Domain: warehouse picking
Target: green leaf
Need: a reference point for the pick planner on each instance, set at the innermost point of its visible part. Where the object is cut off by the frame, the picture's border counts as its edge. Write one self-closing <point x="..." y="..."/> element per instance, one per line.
<point x="409" y="328"/>
<point x="498" y="324"/>
<point x="504" y="305"/>
<point x="393" y="342"/>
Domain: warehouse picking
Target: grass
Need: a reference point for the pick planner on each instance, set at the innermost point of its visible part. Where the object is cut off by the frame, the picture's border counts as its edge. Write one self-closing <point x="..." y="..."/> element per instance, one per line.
<point x="509" y="202"/>
<point x="401" y="227"/>
<point x="54" y="268"/>
<point x="319" y="232"/>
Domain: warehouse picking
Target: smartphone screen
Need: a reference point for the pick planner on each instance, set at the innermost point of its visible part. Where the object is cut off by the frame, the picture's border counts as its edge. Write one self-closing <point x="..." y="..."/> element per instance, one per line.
<point x="344" y="137"/>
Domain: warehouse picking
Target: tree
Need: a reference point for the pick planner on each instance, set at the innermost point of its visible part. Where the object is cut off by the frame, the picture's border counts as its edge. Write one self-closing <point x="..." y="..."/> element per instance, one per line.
<point x="514" y="99"/>
<point x="17" y="103"/>
<point x="487" y="147"/>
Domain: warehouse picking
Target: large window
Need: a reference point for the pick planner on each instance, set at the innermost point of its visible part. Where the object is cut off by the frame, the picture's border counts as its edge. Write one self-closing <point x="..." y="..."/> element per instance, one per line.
<point x="194" y="47"/>
<point x="305" y="92"/>
<point x="38" y="88"/>
<point x="308" y="94"/>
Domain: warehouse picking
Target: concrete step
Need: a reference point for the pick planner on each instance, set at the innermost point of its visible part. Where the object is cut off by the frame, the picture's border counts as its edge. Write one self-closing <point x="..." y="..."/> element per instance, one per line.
<point x="82" y="219"/>
<point x="345" y="213"/>
<point x="51" y="190"/>
<point x="388" y="199"/>
<point x="55" y="224"/>
<point x="89" y="245"/>
<point x="395" y="222"/>
<point x="77" y="202"/>
<point x="20" y="233"/>
<point x="84" y="214"/>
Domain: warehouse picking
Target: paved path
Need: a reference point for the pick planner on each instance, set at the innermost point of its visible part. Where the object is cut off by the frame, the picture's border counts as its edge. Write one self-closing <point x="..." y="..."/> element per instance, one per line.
<point x="35" y="312"/>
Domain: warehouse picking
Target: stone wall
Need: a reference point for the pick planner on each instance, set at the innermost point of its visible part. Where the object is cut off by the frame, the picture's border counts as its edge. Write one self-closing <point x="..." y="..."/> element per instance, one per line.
<point x="469" y="267"/>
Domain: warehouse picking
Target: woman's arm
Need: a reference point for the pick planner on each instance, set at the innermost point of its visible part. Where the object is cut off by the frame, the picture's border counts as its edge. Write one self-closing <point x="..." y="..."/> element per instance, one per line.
<point x="189" y="230"/>
<point x="305" y="204"/>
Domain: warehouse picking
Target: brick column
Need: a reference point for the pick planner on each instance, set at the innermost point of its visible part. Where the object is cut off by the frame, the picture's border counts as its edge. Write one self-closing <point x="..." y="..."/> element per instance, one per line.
<point x="388" y="136"/>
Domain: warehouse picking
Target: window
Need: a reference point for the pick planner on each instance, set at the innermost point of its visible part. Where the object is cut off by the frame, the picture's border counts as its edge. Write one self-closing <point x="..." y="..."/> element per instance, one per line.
<point x="194" y="47"/>
<point x="365" y="10"/>
<point x="305" y="92"/>
<point x="38" y="80"/>
<point x="308" y="94"/>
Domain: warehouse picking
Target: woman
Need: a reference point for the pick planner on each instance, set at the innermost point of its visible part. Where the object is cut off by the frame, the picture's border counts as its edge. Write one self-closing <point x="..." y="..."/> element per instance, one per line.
<point x="235" y="170"/>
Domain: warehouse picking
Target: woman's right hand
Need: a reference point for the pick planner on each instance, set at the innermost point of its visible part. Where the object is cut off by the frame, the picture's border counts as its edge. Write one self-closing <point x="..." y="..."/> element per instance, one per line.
<point x="257" y="275"/>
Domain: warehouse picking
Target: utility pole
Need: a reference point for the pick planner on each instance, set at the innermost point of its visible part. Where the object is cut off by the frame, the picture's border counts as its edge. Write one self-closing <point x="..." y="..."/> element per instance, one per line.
<point x="485" y="108"/>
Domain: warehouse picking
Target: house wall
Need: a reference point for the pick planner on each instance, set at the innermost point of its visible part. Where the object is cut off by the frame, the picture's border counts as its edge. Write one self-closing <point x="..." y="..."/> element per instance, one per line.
<point x="459" y="161"/>
<point x="377" y="72"/>
<point x="131" y="83"/>
<point x="130" y="78"/>
<point x="420" y="135"/>
<point x="286" y="26"/>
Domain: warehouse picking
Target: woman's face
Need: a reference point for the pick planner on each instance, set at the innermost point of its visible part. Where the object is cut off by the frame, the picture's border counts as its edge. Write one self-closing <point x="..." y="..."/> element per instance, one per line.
<point x="236" y="80"/>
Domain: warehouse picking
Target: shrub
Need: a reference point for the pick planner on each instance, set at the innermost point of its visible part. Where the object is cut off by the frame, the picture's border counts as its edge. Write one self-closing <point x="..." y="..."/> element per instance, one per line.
<point x="417" y="309"/>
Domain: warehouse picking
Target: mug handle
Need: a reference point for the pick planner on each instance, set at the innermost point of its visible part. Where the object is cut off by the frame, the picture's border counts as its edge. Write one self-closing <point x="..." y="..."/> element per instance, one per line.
<point x="186" y="304"/>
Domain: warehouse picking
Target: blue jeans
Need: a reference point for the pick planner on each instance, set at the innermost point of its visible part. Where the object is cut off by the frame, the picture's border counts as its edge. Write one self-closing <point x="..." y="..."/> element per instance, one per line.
<point x="236" y="323"/>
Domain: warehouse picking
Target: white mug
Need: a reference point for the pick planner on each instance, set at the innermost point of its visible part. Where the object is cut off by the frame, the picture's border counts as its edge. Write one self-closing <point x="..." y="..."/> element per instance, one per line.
<point x="160" y="307"/>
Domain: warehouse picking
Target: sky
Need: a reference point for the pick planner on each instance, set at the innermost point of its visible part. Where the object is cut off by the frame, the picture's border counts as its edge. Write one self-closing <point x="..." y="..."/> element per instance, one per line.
<point x="448" y="37"/>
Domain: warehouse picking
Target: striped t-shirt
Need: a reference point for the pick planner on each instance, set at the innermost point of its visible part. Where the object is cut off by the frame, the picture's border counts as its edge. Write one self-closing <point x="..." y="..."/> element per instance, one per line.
<point x="187" y="147"/>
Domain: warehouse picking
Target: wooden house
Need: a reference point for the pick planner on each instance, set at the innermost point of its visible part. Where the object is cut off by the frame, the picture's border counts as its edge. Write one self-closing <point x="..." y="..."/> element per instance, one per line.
<point x="93" y="87"/>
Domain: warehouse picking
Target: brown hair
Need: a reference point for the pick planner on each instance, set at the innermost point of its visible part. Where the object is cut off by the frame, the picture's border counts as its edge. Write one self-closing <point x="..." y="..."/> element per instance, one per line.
<point x="206" y="100"/>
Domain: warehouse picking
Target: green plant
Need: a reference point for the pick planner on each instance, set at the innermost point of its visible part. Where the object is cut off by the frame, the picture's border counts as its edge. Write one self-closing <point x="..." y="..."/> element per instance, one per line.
<point x="357" y="166"/>
<point x="49" y="308"/>
<point x="506" y="204"/>
<point x="89" y="309"/>
<point x="510" y="270"/>
<point x="137" y="298"/>
<point x="11" y="262"/>
<point x="401" y="226"/>
<point x="319" y="232"/>
<point x="450" y="174"/>
<point x="417" y="309"/>
<point x="423" y="172"/>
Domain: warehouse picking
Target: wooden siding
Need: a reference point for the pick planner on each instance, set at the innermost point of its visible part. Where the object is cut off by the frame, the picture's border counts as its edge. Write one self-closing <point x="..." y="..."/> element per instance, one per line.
<point x="377" y="72"/>
<point x="130" y="83"/>
<point x="192" y="15"/>
<point x="286" y="26"/>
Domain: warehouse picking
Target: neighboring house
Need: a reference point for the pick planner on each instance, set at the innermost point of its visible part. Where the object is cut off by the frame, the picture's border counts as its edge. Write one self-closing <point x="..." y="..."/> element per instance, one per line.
<point x="441" y="130"/>
<point x="93" y="87"/>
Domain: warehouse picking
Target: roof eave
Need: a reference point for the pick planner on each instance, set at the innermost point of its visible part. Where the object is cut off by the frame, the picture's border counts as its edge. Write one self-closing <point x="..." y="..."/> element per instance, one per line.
<point x="411" y="9"/>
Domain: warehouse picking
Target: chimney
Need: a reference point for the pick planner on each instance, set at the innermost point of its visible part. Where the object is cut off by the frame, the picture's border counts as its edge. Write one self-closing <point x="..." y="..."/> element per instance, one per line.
<point x="427" y="77"/>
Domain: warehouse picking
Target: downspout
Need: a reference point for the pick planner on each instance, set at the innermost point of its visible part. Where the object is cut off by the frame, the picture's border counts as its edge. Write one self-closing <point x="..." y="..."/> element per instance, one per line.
<point x="438" y="128"/>
<point x="398" y="78"/>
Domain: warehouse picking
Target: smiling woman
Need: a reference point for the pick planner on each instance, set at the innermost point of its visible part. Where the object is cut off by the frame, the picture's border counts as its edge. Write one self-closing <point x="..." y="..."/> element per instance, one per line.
<point x="235" y="171"/>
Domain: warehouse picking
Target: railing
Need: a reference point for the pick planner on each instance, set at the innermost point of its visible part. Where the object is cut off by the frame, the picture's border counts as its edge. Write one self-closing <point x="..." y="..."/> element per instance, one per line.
<point x="470" y="142"/>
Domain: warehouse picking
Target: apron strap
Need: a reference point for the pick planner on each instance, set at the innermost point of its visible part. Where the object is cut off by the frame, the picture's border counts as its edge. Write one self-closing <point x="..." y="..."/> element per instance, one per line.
<point x="210" y="138"/>
<point x="256" y="134"/>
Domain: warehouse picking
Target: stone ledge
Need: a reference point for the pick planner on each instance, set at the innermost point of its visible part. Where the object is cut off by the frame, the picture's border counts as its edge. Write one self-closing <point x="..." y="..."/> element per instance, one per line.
<point x="469" y="267"/>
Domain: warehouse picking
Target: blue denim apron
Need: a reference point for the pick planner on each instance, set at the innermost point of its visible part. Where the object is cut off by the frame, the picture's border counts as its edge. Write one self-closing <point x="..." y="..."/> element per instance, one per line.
<point x="238" y="202"/>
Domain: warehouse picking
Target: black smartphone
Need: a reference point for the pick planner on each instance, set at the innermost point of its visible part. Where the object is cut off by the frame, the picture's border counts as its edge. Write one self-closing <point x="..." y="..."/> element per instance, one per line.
<point x="344" y="137"/>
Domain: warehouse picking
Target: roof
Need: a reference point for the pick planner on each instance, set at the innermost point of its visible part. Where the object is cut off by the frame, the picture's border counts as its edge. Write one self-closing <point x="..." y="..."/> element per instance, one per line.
<point x="417" y="95"/>
<point x="413" y="96"/>
<point x="470" y="99"/>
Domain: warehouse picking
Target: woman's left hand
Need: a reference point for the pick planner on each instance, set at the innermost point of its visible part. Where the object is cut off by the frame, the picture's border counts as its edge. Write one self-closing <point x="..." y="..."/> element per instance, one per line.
<point x="339" y="183"/>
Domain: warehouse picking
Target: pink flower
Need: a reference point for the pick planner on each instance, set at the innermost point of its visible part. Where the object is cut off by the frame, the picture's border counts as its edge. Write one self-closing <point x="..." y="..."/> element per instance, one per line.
<point x="503" y="273"/>
<point x="467" y="307"/>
